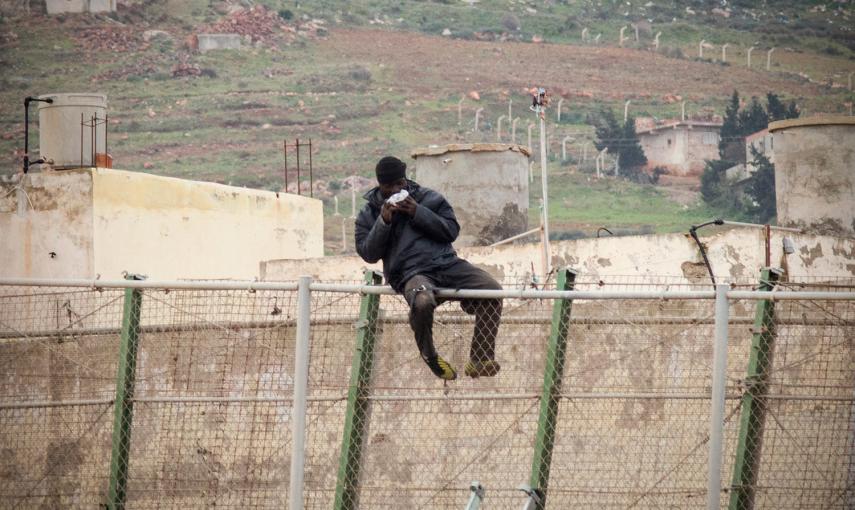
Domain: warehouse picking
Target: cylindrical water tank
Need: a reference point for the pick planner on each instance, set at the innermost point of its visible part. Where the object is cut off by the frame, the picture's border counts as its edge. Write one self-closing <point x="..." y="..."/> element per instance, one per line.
<point x="814" y="177"/>
<point x="486" y="184"/>
<point x="72" y="129"/>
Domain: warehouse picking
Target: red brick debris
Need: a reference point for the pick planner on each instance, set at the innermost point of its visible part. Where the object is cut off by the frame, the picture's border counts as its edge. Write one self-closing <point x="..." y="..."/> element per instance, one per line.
<point x="120" y="39"/>
<point x="257" y="22"/>
<point x="263" y="25"/>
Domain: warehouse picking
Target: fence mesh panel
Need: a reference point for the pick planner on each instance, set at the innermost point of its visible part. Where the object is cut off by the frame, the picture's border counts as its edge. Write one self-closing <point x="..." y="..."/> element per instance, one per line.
<point x="58" y="380"/>
<point x="213" y="385"/>
<point x="807" y="449"/>
<point x="211" y="424"/>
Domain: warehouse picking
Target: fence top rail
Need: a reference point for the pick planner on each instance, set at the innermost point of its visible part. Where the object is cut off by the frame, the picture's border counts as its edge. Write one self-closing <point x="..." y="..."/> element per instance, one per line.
<point x="247" y="285"/>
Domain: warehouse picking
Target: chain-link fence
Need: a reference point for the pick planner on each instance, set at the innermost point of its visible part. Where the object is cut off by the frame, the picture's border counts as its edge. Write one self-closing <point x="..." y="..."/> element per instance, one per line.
<point x="187" y="394"/>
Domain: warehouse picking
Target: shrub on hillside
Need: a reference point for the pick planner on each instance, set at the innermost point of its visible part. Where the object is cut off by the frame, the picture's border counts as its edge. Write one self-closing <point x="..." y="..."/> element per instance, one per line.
<point x="511" y="22"/>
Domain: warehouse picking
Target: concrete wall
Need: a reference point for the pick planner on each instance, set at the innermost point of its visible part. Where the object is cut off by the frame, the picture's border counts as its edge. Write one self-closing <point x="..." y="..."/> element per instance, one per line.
<point x="487" y="184"/>
<point x="103" y="222"/>
<point x="815" y="173"/>
<point x="681" y="149"/>
<point x="736" y="254"/>
<point x="76" y="6"/>
<point x="208" y="42"/>
<point x="218" y="453"/>
<point x="46" y="226"/>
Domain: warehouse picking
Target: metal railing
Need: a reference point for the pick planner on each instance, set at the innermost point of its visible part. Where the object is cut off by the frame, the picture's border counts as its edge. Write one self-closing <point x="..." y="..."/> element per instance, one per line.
<point x="257" y="394"/>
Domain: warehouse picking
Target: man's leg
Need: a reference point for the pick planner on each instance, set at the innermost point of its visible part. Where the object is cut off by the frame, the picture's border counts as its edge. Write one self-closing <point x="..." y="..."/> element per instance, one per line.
<point x="419" y="293"/>
<point x="488" y="316"/>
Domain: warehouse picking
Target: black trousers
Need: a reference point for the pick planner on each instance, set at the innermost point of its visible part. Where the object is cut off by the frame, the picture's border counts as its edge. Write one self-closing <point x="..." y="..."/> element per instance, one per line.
<point x="419" y="291"/>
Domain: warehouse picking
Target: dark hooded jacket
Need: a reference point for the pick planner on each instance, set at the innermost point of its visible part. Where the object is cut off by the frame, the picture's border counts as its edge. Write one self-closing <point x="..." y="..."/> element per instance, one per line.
<point x="408" y="246"/>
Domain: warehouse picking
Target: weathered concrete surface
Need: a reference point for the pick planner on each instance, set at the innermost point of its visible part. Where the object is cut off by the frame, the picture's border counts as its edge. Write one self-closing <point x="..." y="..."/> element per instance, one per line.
<point x="77" y="6"/>
<point x="681" y="147"/>
<point x="103" y="222"/>
<point x="736" y="254"/>
<point x="815" y="173"/>
<point x="47" y="226"/>
<point x="614" y="441"/>
<point x="487" y="184"/>
<point x="208" y="42"/>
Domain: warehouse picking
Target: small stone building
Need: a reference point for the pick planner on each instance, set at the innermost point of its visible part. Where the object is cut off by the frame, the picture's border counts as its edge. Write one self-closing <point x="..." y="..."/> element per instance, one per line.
<point x="681" y="146"/>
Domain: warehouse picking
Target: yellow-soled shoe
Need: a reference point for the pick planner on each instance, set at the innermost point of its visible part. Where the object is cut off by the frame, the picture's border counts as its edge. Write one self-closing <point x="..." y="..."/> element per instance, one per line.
<point x="441" y="368"/>
<point x="487" y="368"/>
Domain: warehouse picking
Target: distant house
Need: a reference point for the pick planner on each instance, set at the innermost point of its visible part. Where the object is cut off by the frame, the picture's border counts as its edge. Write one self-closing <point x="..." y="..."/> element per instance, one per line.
<point x="681" y="146"/>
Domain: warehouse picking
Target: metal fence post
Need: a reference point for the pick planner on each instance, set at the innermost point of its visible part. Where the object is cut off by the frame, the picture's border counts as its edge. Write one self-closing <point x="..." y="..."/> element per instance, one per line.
<point x="752" y="416"/>
<point x="123" y="407"/>
<point x="719" y="378"/>
<point x="301" y="383"/>
<point x="551" y="396"/>
<point x="356" y="417"/>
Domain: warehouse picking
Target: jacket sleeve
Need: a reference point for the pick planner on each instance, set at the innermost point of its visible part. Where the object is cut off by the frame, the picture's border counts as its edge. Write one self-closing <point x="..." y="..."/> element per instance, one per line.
<point x="439" y="224"/>
<point x="371" y="238"/>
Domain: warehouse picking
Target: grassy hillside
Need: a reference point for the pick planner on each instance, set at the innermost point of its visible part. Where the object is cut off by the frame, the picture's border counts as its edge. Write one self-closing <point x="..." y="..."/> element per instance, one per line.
<point x="369" y="78"/>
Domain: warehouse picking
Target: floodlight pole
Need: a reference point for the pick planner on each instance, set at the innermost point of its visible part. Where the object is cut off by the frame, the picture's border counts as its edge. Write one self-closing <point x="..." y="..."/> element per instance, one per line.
<point x="539" y="107"/>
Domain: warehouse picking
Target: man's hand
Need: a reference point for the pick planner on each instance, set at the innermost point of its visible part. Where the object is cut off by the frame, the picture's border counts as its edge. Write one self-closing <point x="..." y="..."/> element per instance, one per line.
<point x="407" y="206"/>
<point x="386" y="212"/>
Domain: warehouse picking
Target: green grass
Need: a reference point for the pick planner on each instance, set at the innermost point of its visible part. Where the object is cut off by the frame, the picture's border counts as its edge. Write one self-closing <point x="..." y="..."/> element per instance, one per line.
<point x="579" y="202"/>
<point x="210" y="128"/>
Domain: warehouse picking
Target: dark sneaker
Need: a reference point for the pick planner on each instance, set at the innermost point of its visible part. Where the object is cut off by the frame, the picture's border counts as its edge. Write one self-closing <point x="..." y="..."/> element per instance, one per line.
<point x="441" y="368"/>
<point x="487" y="368"/>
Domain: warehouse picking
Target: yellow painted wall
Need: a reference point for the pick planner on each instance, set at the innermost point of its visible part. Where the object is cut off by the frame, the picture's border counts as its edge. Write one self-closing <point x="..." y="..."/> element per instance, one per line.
<point x="736" y="254"/>
<point x="46" y="226"/>
<point x="103" y="222"/>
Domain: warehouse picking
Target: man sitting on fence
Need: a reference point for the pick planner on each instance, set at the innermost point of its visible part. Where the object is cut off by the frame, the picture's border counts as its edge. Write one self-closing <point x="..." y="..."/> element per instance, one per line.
<point x="412" y="233"/>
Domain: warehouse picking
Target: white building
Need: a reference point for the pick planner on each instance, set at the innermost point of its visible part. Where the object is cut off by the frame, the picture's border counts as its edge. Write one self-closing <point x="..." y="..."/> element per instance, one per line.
<point x="681" y="146"/>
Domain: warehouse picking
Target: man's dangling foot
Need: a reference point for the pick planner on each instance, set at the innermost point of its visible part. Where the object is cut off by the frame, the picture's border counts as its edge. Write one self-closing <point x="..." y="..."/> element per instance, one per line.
<point x="487" y="368"/>
<point x="441" y="368"/>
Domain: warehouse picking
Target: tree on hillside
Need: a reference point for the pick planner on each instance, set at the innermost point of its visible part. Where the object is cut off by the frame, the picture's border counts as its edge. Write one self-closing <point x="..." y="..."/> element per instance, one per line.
<point x="730" y="135"/>
<point x="608" y="130"/>
<point x="621" y="141"/>
<point x="753" y="118"/>
<point x="714" y="189"/>
<point x="632" y="158"/>
<point x="761" y="188"/>
<point x="777" y="110"/>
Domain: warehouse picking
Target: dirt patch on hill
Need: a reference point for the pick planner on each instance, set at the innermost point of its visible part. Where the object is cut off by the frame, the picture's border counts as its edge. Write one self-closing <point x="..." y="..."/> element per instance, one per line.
<point x="429" y="64"/>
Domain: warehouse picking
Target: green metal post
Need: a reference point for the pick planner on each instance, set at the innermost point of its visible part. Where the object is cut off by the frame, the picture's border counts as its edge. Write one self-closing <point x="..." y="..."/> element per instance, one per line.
<point x="124" y="405"/>
<point x="355" y="422"/>
<point x="555" y="356"/>
<point x="753" y="413"/>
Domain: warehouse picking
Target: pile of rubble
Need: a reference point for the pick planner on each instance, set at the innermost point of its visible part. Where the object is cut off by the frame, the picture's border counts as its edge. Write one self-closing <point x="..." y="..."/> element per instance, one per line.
<point x="9" y="38"/>
<point x="116" y="39"/>
<point x="260" y="26"/>
<point x="257" y="23"/>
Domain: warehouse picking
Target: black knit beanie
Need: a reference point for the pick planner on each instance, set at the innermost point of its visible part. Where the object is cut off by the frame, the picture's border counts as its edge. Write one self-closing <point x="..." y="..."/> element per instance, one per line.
<point x="390" y="169"/>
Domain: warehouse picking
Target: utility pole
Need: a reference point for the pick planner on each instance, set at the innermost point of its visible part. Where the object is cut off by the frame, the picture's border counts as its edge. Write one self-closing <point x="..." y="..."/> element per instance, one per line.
<point x="539" y="102"/>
